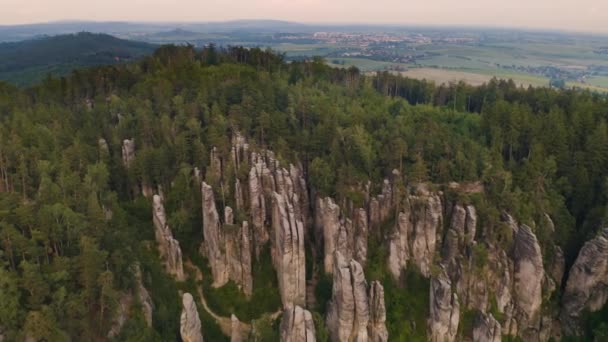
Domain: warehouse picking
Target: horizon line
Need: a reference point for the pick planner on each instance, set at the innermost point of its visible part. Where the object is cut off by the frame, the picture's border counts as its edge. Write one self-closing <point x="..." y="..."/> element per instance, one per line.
<point x="323" y="23"/>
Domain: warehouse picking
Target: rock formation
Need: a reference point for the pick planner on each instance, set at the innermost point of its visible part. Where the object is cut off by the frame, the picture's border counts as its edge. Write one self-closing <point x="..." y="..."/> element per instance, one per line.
<point x="377" y="319"/>
<point x="415" y="234"/>
<point x="122" y="314"/>
<point x="190" y="324"/>
<point x="213" y="238"/>
<point x="297" y="325"/>
<point x="445" y="310"/>
<point x="257" y="203"/>
<point x="381" y="205"/>
<point x="528" y="273"/>
<point x="235" y="329"/>
<point x="128" y="152"/>
<point x="143" y="296"/>
<point x="228" y="246"/>
<point x="360" y="236"/>
<point x="238" y="255"/>
<point x="328" y="220"/>
<point x="125" y="305"/>
<point x="486" y="329"/>
<point x="168" y="247"/>
<point x="587" y="285"/>
<point x="288" y="252"/>
<point x="349" y="313"/>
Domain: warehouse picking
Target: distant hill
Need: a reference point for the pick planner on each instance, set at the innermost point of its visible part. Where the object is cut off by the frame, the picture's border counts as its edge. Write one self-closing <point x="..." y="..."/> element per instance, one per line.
<point x="26" y="62"/>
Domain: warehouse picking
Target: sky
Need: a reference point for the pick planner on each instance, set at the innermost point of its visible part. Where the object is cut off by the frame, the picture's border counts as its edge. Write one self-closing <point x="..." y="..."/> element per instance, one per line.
<point x="567" y="15"/>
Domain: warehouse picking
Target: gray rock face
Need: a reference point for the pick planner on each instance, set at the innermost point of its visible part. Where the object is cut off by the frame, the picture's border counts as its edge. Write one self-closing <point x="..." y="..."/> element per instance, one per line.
<point x="143" y="296"/>
<point x="297" y="325"/>
<point x="228" y="216"/>
<point x="360" y="236"/>
<point x="528" y="273"/>
<point x="471" y="225"/>
<point x="126" y="303"/>
<point x="227" y="247"/>
<point x="168" y="247"/>
<point x="486" y="329"/>
<point x="445" y="310"/>
<point x="190" y="324"/>
<point x="342" y="315"/>
<point x="415" y="235"/>
<point x="235" y="329"/>
<point x="329" y="220"/>
<point x="288" y="252"/>
<point x="399" y="247"/>
<point x="587" y="285"/>
<point x="377" y="319"/>
<point x="121" y="316"/>
<point x="349" y="236"/>
<point x="128" y="152"/>
<point x="238" y="256"/>
<point x="257" y="204"/>
<point x="381" y="205"/>
<point x="352" y="314"/>
<point x="214" y="238"/>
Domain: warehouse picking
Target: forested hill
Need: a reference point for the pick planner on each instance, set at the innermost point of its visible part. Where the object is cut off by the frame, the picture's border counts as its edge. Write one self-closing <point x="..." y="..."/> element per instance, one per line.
<point x="221" y="193"/>
<point x="27" y="62"/>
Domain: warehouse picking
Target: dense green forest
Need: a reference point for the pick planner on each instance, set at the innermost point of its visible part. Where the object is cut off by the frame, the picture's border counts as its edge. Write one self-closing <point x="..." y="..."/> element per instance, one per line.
<point x="28" y="62"/>
<point x="72" y="226"/>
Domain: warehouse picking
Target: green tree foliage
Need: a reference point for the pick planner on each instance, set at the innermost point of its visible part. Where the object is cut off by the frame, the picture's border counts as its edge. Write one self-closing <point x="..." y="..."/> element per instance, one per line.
<point x="73" y="221"/>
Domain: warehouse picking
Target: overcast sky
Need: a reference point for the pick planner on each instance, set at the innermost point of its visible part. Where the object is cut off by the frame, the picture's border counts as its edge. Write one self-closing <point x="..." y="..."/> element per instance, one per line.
<point x="571" y="15"/>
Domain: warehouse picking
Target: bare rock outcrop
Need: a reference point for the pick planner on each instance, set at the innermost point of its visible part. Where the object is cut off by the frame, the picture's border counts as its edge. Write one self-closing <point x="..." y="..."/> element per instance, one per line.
<point x="297" y="325"/>
<point x="261" y="183"/>
<point x="213" y="245"/>
<point x="415" y="236"/>
<point x="587" y="285"/>
<point x="235" y="329"/>
<point x="227" y="246"/>
<point x="445" y="310"/>
<point x="486" y="329"/>
<point x="528" y="273"/>
<point x="169" y="249"/>
<point x="288" y="252"/>
<point x="128" y="152"/>
<point x="360" y="236"/>
<point x="143" y="296"/>
<point x="238" y="255"/>
<point x="122" y="314"/>
<point x="380" y="206"/>
<point x="190" y="324"/>
<point x="328" y="221"/>
<point x="125" y="304"/>
<point x="377" y="313"/>
<point x="352" y="313"/>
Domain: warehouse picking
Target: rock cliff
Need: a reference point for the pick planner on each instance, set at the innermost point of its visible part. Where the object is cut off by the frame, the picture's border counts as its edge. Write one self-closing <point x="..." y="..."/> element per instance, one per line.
<point x="297" y="325"/>
<point x="349" y="311"/>
<point x="587" y="285"/>
<point x="444" y="310"/>
<point x="168" y="247"/>
<point x="190" y="324"/>
<point x="288" y="252"/>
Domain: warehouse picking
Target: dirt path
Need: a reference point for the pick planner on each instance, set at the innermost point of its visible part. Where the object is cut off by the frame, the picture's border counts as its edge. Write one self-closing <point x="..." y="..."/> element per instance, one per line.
<point x="225" y="323"/>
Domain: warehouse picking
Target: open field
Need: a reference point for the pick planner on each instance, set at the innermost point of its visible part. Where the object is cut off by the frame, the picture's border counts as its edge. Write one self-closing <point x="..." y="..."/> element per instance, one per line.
<point x="446" y="76"/>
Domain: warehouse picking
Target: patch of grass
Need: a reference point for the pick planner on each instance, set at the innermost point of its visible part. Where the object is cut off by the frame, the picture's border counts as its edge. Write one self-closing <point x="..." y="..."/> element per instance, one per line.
<point x="323" y="292"/>
<point x="266" y="329"/>
<point x="321" y="332"/>
<point x="407" y="307"/>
